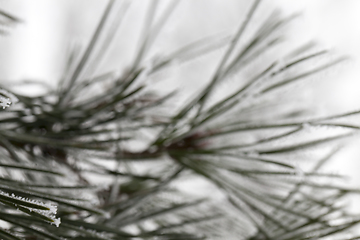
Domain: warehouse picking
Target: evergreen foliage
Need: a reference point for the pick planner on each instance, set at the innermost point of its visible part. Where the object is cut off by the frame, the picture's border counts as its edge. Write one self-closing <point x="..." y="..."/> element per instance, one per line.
<point x="102" y="157"/>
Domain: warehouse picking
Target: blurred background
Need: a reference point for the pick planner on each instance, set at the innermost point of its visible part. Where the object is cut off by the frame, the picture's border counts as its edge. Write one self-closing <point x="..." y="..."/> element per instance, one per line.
<point x="37" y="49"/>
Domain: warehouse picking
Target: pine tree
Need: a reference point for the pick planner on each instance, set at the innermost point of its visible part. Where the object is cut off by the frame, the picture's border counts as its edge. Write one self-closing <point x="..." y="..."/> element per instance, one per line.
<point x="105" y="156"/>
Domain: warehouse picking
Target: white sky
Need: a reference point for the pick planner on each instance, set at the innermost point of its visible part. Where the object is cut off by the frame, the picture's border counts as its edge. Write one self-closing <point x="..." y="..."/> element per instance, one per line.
<point x="336" y="23"/>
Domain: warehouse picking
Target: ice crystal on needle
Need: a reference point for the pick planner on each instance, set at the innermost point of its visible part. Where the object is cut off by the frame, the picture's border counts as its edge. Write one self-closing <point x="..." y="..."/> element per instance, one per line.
<point x="51" y="214"/>
<point x="47" y="210"/>
<point x="4" y="102"/>
<point x="6" y="98"/>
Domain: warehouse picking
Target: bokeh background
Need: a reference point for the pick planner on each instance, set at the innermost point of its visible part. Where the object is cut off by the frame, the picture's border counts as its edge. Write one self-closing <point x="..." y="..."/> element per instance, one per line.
<point x="38" y="47"/>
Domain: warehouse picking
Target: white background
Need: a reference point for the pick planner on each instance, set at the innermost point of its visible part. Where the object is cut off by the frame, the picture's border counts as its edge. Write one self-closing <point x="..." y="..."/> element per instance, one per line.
<point x="36" y="49"/>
